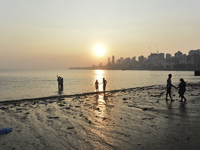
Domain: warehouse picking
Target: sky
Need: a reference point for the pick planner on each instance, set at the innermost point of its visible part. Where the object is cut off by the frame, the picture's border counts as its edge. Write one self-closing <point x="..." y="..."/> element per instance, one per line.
<point x="49" y="34"/>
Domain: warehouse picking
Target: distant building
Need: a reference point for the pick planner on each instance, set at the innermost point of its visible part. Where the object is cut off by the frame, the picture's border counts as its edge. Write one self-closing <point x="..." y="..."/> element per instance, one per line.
<point x="108" y="60"/>
<point x="118" y="61"/>
<point x="168" y="56"/>
<point x="141" y="60"/>
<point x="194" y="52"/>
<point x="128" y="60"/>
<point x="113" y="60"/>
<point x="183" y="59"/>
<point x="161" y="56"/>
<point x="194" y="56"/>
<point x="109" y="63"/>
<point x="121" y="60"/>
<point x="133" y="59"/>
<point x="178" y="54"/>
<point x="153" y="57"/>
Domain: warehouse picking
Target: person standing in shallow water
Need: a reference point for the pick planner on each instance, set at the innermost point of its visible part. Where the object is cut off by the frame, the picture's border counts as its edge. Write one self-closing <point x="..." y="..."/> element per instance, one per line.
<point x="182" y="89"/>
<point x="60" y="83"/>
<point x="97" y="86"/>
<point x="169" y="86"/>
<point x="104" y="84"/>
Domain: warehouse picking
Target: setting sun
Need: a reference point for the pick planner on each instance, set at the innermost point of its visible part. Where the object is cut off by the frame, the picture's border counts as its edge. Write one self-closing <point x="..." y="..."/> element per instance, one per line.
<point x="99" y="50"/>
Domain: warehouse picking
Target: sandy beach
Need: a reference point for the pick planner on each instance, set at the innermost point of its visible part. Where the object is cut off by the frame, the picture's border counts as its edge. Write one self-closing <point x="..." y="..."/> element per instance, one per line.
<point x="137" y="118"/>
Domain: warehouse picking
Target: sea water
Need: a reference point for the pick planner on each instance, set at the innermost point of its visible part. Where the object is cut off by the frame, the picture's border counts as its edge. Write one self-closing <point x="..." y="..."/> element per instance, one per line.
<point x="27" y="84"/>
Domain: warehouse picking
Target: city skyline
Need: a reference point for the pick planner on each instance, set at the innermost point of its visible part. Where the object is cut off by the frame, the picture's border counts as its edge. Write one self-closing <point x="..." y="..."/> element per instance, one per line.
<point x="62" y="34"/>
<point x="160" y="61"/>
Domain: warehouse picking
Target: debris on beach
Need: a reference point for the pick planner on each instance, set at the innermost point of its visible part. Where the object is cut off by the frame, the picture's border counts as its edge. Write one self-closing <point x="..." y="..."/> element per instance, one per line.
<point x="5" y="130"/>
<point x="145" y="109"/>
<point x="70" y="127"/>
<point x="3" y="108"/>
<point x="53" y="117"/>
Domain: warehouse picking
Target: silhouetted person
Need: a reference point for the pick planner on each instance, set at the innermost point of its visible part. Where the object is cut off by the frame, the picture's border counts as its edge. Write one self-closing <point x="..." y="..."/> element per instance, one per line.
<point x="104" y="84"/>
<point x="60" y="83"/>
<point x="169" y="86"/>
<point x="97" y="86"/>
<point x="182" y="89"/>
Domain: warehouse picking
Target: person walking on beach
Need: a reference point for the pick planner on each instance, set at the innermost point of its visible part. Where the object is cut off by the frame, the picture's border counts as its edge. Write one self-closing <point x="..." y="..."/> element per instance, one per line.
<point x="104" y="84"/>
<point x="169" y="86"/>
<point x="182" y="89"/>
<point x="97" y="86"/>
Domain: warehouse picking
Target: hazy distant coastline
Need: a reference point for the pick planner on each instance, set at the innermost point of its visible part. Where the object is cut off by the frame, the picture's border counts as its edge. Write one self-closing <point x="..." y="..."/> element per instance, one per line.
<point x="152" y="69"/>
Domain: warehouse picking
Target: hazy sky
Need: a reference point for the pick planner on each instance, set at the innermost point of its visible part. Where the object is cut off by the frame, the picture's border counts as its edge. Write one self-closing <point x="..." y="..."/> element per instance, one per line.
<point x="58" y="34"/>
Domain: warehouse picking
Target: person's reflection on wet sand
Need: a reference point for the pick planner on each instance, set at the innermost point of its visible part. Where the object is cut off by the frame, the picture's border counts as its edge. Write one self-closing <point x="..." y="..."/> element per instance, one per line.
<point x="183" y="108"/>
<point x="169" y="105"/>
<point x="97" y="97"/>
<point x="104" y="97"/>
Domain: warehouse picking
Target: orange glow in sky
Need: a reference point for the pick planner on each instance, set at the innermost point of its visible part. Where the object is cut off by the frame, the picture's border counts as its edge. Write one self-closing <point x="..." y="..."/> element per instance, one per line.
<point x="59" y="34"/>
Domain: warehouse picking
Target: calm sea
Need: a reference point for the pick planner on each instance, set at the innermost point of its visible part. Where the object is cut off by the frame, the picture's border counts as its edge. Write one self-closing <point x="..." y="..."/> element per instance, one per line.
<point x="23" y="84"/>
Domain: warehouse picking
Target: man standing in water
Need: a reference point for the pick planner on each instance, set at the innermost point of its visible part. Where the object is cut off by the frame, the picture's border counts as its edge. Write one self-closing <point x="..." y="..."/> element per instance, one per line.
<point x="60" y="83"/>
<point x="169" y="86"/>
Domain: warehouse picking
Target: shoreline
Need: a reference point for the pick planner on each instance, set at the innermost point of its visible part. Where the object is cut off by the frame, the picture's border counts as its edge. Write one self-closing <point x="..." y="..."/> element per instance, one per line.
<point x="134" y="118"/>
<point x="75" y="95"/>
<point x="72" y="95"/>
<point x="85" y="94"/>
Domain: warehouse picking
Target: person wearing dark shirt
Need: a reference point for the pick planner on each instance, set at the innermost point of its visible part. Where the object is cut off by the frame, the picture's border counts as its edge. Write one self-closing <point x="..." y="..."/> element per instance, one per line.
<point x="104" y="84"/>
<point x="182" y="89"/>
<point x="169" y="86"/>
<point x="97" y="86"/>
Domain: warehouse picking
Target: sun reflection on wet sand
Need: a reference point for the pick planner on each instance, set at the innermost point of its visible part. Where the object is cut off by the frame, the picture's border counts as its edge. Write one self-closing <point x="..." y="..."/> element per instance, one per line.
<point x="101" y="106"/>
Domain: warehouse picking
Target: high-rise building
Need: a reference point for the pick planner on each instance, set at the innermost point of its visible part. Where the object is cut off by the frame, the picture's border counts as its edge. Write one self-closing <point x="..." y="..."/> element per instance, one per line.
<point x="121" y="60"/>
<point x="194" y="52"/>
<point x="178" y="54"/>
<point x="133" y="59"/>
<point x="113" y="60"/>
<point x="108" y="60"/>
<point x="168" y="56"/>
<point x="161" y="56"/>
<point x="183" y="59"/>
<point x="153" y="57"/>
<point x="141" y="59"/>
<point x="128" y="60"/>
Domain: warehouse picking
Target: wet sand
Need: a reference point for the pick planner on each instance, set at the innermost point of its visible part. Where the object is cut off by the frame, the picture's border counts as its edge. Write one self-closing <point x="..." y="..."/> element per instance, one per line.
<point x="137" y="118"/>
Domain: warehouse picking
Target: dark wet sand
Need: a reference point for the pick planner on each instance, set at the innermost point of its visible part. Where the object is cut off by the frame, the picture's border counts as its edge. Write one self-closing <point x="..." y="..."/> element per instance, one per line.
<point x="137" y="118"/>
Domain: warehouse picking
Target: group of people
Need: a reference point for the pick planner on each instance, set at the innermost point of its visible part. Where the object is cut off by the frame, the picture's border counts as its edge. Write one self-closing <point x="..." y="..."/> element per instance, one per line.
<point x="181" y="87"/>
<point x="97" y="85"/>
<point x="60" y="84"/>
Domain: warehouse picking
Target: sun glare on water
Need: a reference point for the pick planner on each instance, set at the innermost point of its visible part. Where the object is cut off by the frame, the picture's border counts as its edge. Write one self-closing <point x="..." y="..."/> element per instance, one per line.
<point x="99" y="50"/>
